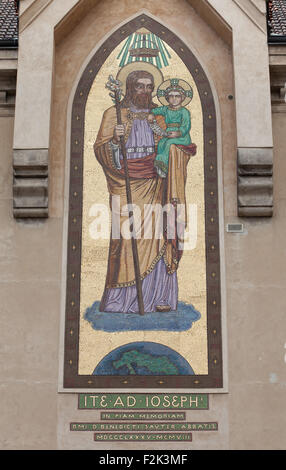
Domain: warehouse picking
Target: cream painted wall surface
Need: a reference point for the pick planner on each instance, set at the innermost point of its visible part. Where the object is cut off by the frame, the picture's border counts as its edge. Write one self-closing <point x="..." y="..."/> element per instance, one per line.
<point x="29" y="293"/>
<point x="96" y="26"/>
<point x="252" y="132"/>
<point x="240" y="415"/>
<point x="256" y="278"/>
<point x="33" y="414"/>
<point x="254" y="127"/>
<point x="77" y="45"/>
<point x="24" y="4"/>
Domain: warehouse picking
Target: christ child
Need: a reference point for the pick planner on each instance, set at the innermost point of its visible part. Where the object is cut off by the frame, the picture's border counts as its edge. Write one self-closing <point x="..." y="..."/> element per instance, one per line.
<point x="172" y="94"/>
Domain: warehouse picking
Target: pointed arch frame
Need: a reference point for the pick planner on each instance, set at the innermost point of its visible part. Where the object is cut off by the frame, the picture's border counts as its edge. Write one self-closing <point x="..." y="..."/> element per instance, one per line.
<point x="214" y="378"/>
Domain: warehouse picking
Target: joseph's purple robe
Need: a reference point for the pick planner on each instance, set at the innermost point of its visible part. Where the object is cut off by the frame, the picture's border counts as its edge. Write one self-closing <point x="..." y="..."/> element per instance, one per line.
<point x="159" y="288"/>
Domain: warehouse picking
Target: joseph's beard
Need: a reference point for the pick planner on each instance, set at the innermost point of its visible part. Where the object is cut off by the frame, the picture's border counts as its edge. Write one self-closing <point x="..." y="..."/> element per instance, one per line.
<point x="142" y="101"/>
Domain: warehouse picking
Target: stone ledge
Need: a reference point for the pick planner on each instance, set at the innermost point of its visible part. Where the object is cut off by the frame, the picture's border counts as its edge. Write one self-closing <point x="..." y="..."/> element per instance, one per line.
<point x="255" y="182"/>
<point x="30" y="183"/>
<point x="31" y="213"/>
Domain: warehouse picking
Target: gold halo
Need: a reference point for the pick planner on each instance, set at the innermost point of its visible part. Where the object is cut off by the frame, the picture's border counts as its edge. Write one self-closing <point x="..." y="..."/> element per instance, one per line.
<point x="182" y="83"/>
<point x="134" y="66"/>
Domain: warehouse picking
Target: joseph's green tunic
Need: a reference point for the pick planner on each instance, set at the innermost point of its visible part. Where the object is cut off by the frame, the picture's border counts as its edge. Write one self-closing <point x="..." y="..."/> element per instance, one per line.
<point x="176" y="120"/>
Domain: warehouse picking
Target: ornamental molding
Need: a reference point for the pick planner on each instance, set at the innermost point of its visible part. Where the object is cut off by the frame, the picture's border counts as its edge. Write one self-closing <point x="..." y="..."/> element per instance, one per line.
<point x="255" y="182"/>
<point x="31" y="13"/>
<point x="30" y="183"/>
<point x="254" y="13"/>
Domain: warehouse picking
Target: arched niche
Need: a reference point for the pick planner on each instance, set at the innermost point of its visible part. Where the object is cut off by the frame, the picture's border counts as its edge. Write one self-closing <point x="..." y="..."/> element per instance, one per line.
<point x="212" y="378"/>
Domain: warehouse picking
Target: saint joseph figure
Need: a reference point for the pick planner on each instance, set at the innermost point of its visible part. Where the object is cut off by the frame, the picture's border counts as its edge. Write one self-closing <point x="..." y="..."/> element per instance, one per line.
<point x="158" y="256"/>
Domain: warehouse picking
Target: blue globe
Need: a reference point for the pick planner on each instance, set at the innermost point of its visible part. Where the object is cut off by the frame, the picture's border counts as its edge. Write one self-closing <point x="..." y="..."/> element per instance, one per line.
<point x="143" y="358"/>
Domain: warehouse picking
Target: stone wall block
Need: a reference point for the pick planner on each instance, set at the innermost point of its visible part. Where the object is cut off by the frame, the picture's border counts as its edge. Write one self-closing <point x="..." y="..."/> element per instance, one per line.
<point x="255" y="182"/>
<point x="30" y="183"/>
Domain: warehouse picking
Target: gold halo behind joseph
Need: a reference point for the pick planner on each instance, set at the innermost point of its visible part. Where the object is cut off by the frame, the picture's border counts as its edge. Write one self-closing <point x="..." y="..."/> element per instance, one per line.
<point x="134" y="66"/>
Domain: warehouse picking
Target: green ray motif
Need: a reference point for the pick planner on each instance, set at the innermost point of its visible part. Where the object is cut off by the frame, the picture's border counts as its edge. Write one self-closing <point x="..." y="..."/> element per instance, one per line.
<point x="140" y="41"/>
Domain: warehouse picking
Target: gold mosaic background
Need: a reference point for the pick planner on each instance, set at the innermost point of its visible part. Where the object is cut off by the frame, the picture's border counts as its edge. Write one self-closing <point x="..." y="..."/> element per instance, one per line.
<point x="94" y="345"/>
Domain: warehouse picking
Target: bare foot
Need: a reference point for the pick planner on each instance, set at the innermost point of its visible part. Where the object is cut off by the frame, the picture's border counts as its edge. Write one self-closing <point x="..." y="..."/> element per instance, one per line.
<point x="163" y="308"/>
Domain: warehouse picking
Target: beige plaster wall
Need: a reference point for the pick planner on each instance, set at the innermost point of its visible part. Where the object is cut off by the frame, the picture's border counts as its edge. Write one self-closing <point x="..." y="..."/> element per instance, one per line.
<point x="249" y="41"/>
<point x="249" y="416"/>
<point x="256" y="279"/>
<point x="250" y="58"/>
<point x="34" y="415"/>
<point x="30" y="295"/>
<point x="70" y="55"/>
<point x="24" y="4"/>
<point x="96" y="25"/>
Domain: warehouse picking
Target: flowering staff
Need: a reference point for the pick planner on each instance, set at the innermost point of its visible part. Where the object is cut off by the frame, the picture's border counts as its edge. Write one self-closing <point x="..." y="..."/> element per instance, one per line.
<point x="116" y="94"/>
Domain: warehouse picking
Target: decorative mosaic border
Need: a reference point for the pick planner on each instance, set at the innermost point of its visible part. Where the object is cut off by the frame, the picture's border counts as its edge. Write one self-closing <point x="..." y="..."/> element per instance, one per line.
<point x="214" y="379"/>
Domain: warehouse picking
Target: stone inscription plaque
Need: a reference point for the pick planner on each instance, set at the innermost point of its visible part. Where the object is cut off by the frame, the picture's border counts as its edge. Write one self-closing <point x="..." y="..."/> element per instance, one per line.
<point x="143" y="401"/>
<point x="158" y="437"/>
<point x="142" y="416"/>
<point x="158" y="427"/>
